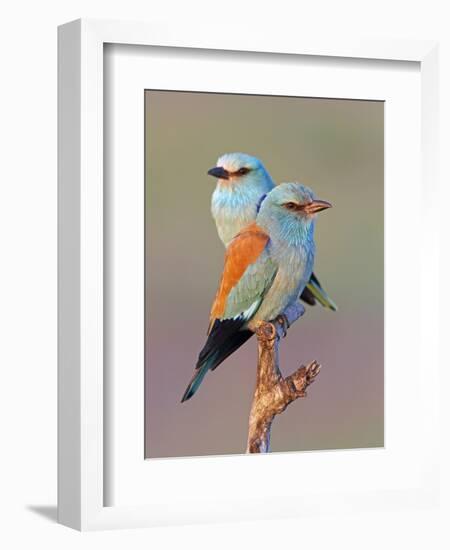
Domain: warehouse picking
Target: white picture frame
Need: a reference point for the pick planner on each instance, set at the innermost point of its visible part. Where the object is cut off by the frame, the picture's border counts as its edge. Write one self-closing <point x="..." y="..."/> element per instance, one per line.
<point x="82" y="484"/>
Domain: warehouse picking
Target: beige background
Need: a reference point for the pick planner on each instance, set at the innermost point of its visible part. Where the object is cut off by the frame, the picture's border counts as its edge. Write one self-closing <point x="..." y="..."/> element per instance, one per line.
<point x="335" y="147"/>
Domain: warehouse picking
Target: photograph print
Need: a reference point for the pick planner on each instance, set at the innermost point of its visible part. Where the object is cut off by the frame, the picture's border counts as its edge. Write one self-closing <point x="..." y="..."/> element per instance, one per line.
<point x="264" y="274"/>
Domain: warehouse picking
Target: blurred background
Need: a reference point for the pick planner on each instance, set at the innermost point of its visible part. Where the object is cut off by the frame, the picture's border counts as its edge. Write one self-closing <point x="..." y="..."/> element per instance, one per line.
<point x="334" y="146"/>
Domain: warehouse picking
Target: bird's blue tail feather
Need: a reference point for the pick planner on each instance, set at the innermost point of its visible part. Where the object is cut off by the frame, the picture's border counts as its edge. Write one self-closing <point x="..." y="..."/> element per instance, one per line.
<point x="195" y="382"/>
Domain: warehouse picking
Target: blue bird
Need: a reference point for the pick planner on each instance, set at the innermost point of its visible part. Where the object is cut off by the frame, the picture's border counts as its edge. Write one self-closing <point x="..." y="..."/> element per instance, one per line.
<point x="242" y="184"/>
<point x="267" y="266"/>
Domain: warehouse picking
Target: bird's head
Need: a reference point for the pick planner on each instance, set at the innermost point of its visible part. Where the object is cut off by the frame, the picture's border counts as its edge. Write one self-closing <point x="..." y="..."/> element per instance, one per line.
<point x="238" y="169"/>
<point x="295" y="201"/>
<point x="290" y="208"/>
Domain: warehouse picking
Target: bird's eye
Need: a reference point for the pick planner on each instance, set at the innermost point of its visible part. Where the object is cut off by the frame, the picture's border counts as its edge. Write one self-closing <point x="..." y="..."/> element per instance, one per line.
<point x="290" y="205"/>
<point x="243" y="171"/>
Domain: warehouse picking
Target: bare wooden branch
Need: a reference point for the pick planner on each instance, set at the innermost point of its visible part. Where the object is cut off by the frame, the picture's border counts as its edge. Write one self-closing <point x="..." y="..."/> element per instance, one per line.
<point x="273" y="393"/>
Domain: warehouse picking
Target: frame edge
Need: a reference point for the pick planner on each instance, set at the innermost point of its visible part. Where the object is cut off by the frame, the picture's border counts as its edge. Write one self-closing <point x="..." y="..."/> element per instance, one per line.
<point x="69" y="336"/>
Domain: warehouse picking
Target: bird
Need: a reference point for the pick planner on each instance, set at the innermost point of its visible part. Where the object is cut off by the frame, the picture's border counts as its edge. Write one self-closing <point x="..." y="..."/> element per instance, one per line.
<point x="267" y="265"/>
<point x="242" y="185"/>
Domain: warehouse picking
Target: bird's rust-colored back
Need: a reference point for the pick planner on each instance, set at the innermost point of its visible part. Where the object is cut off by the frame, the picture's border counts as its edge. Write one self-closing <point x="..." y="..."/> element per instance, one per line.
<point x="243" y="250"/>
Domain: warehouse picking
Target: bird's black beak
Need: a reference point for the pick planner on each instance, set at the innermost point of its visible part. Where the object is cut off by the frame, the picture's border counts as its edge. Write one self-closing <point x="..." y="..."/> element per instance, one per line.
<point x="219" y="172"/>
<point x="316" y="206"/>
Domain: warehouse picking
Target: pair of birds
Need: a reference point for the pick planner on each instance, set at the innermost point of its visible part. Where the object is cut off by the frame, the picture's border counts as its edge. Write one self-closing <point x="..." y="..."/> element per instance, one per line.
<point x="268" y="232"/>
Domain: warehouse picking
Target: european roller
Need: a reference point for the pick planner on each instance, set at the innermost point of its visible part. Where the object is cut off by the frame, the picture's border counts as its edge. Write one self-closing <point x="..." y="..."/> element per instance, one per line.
<point x="242" y="184"/>
<point x="267" y="266"/>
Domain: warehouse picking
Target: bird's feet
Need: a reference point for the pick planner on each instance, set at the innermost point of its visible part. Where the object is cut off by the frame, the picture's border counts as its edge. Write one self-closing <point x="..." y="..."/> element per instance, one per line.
<point x="284" y="324"/>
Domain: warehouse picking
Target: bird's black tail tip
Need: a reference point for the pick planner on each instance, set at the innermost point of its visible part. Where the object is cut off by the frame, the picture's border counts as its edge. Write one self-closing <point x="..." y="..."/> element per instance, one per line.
<point x="187" y="395"/>
<point x="195" y="382"/>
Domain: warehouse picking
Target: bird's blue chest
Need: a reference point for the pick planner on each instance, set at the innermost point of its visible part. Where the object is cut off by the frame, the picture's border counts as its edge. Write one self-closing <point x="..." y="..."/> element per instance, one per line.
<point x="232" y="211"/>
<point x="295" y="264"/>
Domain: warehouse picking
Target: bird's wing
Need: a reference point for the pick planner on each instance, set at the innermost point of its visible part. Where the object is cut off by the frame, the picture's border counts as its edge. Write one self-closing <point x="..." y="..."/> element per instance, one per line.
<point x="247" y="275"/>
<point x="314" y="291"/>
<point x="308" y="297"/>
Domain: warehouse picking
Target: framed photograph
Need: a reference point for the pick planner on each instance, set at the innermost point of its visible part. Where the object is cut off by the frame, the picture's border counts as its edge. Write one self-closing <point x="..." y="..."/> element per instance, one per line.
<point x="234" y="225"/>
